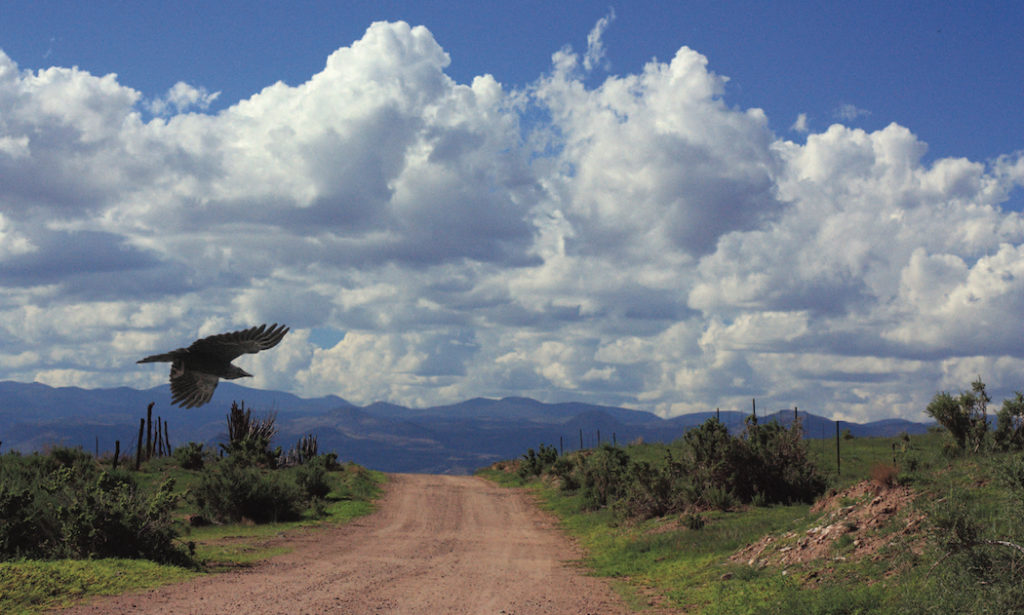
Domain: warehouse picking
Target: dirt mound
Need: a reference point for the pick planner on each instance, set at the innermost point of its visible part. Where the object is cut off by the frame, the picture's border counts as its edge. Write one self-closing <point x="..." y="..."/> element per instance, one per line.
<point x="857" y="523"/>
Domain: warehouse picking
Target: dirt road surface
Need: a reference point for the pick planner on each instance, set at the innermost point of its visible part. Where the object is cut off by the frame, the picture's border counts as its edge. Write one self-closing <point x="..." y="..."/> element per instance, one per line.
<point x="437" y="544"/>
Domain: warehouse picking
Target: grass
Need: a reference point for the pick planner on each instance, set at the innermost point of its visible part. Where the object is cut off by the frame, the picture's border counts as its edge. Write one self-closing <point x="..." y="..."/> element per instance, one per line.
<point x="663" y="562"/>
<point x="29" y="586"/>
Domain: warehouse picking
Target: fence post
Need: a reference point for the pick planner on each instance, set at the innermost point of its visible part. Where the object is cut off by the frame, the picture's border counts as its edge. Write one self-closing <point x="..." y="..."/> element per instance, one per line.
<point x="838" y="473"/>
<point x="167" y="440"/>
<point x="117" y="453"/>
<point x="138" y="450"/>
<point x="149" y="430"/>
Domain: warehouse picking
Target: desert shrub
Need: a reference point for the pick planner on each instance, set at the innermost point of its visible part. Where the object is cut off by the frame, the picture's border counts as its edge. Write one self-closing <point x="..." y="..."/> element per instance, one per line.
<point x="694" y="521"/>
<point x="884" y="474"/>
<point x="718" y="497"/>
<point x="232" y="491"/>
<point x="648" y="492"/>
<point x="769" y="463"/>
<point x="312" y="476"/>
<point x="65" y="506"/>
<point x="603" y="476"/>
<point x="68" y="457"/>
<point x="191" y="456"/>
<point x="535" y="463"/>
<point x="249" y="438"/>
<point x="1009" y="434"/>
<point x="965" y="416"/>
<point x="305" y="449"/>
<point x="566" y="469"/>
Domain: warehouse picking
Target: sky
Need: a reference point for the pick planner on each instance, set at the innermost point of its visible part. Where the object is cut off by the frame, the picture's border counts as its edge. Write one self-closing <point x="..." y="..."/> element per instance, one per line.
<point x="668" y="206"/>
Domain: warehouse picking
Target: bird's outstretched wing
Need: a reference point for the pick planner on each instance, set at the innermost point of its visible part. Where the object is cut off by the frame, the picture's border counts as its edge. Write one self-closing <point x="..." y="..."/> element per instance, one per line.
<point x="189" y="388"/>
<point x="228" y="346"/>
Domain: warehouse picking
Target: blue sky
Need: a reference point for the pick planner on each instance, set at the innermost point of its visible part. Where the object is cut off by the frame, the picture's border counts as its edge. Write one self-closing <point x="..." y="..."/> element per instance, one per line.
<point x="668" y="206"/>
<point x="950" y="70"/>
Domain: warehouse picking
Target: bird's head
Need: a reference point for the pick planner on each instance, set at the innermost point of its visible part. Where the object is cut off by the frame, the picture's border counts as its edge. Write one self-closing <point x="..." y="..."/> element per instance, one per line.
<point x="236" y="372"/>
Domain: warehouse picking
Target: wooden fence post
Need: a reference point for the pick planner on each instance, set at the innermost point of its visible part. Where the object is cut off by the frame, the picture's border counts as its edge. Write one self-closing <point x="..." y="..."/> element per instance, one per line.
<point x="117" y="453"/>
<point x="149" y="430"/>
<point x="138" y="450"/>
<point x="838" y="473"/>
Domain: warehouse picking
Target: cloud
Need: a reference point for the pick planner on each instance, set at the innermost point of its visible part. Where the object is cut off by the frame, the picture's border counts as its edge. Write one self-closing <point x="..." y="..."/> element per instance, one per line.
<point x="641" y="242"/>
<point x="848" y="112"/>
<point x="800" y="125"/>
<point x="595" y="46"/>
<point x="181" y="98"/>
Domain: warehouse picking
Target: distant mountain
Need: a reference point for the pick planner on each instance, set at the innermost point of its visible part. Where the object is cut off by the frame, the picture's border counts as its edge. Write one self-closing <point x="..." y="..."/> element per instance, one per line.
<point x="455" y="438"/>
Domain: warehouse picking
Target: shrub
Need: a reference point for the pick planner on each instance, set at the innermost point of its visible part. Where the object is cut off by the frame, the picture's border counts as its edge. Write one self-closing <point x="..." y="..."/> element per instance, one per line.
<point x="694" y="521"/>
<point x="249" y="438"/>
<point x="311" y="477"/>
<point x="768" y="462"/>
<point x="536" y="463"/>
<point x="884" y="474"/>
<point x="233" y="491"/>
<point x="648" y="492"/>
<point x="603" y="479"/>
<point x="191" y="456"/>
<point x="965" y="417"/>
<point x="718" y="497"/>
<point x="1009" y="434"/>
<point x="63" y="505"/>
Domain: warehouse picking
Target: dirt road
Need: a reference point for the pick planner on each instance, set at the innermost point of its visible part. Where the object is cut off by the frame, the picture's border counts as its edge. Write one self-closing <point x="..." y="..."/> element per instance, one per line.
<point x="437" y="544"/>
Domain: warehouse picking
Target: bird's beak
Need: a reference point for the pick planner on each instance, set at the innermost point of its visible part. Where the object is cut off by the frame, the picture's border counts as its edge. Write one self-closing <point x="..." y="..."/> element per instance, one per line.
<point x="246" y="374"/>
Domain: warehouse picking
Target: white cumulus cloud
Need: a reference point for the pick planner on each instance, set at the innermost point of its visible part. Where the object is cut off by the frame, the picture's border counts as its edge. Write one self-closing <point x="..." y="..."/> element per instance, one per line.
<point x="642" y="242"/>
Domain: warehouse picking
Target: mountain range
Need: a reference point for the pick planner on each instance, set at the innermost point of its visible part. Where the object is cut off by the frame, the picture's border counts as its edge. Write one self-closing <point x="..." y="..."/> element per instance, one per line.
<point x="454" y="439"/>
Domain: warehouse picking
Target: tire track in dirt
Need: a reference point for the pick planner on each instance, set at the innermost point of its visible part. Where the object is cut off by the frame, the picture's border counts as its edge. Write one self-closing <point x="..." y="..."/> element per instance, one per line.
<point x="437" y="544"/>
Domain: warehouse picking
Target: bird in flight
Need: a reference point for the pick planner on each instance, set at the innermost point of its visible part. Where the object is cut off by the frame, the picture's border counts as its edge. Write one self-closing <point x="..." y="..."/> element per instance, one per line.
<point x="196" y="370"/>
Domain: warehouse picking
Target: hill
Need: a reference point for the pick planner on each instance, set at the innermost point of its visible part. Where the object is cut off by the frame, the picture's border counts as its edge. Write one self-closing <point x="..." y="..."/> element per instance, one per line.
<point x="454" y="439"/>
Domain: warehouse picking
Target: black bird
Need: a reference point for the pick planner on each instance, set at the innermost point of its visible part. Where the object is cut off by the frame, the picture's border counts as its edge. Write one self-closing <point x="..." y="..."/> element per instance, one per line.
<point x="195" y="370"/>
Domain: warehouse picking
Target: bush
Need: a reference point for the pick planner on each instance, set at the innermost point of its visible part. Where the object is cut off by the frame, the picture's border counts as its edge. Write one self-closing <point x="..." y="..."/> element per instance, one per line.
<point x="884" y="474"/>
<point x="965" y="417"/>
<point x="648" y="492"/>
<point x="565" y="469"/>
<point x="604" y="473"/>
<point x="233" y="491"/>
<point x="1009" y="434"/>
<point x="769" y="463"/>
<point x="191" y="456"/>
<point x="536" y="463"/>
<point x="311" y="476"/>
<point x="63" y="506"/>
<point x="249" y="438"/>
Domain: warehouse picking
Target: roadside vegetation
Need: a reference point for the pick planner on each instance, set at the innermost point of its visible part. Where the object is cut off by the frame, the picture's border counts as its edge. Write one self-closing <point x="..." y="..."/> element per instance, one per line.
<point x="761" y="522"/>
<point x="72" y="526"/>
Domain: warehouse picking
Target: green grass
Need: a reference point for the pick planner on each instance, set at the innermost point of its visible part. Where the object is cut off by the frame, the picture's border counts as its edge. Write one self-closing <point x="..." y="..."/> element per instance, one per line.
<point x="691" y="570"/>
<point x="28" y="586"/>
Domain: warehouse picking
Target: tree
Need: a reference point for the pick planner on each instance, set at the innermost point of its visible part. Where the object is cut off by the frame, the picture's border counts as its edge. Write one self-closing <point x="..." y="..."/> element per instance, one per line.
<point x="1009" y="433"/>
<point x="964" y="416"/>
